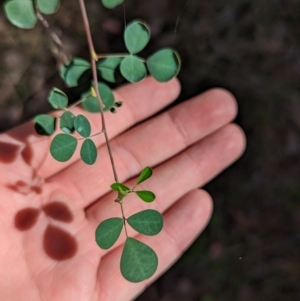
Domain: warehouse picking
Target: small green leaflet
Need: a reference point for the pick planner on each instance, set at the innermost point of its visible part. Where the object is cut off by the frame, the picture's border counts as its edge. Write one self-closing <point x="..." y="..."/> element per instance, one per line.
<point x="138" y="261"/>
<point x="44" y="124"/>
<point x="47" y="7"/>
<point x="63" y="147"/>
<point x="108" y="232"/>
<point x="66" y="122"/>
<point x="72" y="71"/>
<point x="164" y="64"/>
<point x="120" y="188"/>
<point x="145" y="174"/>
<point x="20" y="13"/>
<point x="58" y="99"/>
<point x="88" y="152"/>
<point x="82" y="126"/>
<point x="133" y="68"/>
<point x="136" y="36"/>
<point x="108" y="68"/>
<point x="111" y="3"/>
<point x="145" y="195"/>
<point x="91" y="103"/>
<point x="148" y="222"/>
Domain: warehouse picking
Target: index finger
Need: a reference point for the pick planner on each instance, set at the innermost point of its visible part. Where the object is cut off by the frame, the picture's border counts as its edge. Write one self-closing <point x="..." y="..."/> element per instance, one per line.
<point x="141" y="100"/>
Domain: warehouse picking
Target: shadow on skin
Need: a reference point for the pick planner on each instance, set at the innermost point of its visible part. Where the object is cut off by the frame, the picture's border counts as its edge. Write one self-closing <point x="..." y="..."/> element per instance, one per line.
<point x="58" y="243"/>
<point x="8" y="152"/>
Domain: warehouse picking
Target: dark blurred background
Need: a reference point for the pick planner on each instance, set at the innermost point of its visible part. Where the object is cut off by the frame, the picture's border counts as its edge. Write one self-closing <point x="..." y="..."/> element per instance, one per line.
<point x="250" y="250"/>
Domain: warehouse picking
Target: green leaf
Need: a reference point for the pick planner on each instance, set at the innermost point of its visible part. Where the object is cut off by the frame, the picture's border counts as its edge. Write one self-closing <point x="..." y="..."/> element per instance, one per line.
<point x="66" y="123"/>
<point x="164" y="64"/>
<point x="91" y="103"/>
<point x="106" y="95"/>
<point x="133" y="68"/>
<point x="58" y="99"/>
<point x="47" y="7"/>
<point x="111" y="3"/>
<point x="44" y="124"/>
<point x="88" y="152"/>
<point x="145" y="195"/>
<point x="82" y="126"/>
<point x="72" y="71"/>
<point x="120" y="188"/>
<point x="63" y="147"/>
<point x="148" y="222"/>
<point x="145" y="174"/>
<point x="138" y="262"/>
<point x="20" y="13"/>
<point x="108" y="68"/>
<point x="108" y="232"/>
<point x="136" y="36"/>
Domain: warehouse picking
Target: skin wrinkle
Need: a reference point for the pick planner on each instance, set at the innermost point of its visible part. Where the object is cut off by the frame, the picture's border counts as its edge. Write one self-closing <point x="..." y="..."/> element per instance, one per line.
<point x="180" y="129"/>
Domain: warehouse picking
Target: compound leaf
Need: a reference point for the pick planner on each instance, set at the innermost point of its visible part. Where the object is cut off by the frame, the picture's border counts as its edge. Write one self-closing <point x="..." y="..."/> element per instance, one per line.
<point x="108" y="68"/>
<point x="66" y="123"/>
<point x="88" y="152"/>
<point x="133" y="68"/>
<point x="148" y="222"/>
<point x="44" y="124"/>
<point x="145" y="195"/>
<point x="20" y="13"/>
<point x="47" y="7"/>
<point x="111" y="3"/>
<point x="58" y="99"/>
<point x="71" y="72"/>
<point x="108" y="232"/>
<point x="82" y="126"/>
<point x="138" y="261"/>
<point x="164" y="64"/>
<point x="63" y="147"/>
<point x="145" y="174"/>
<point x="120" y="187"/>
<point x="136" y="36"/>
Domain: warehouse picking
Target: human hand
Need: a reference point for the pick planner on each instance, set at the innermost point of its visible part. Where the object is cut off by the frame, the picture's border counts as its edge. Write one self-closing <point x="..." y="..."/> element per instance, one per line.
<point x="49" y="210"/>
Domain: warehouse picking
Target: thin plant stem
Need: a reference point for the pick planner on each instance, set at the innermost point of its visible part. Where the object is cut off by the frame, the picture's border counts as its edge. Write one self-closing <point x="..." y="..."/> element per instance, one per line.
<point x="124" y="219"/>
<point x="95" y="79"/>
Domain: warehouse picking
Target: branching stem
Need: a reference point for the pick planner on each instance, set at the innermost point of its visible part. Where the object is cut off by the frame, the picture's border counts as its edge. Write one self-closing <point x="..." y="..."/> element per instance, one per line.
<point x="95" y="79"/>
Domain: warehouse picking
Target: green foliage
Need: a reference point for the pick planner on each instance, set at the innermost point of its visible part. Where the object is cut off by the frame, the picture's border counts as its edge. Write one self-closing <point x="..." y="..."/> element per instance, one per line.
<point x="111" y="3"/>
<point x="44" y="124"/>
<point x="88" y="152"/>
<point x="145" y="195"/>
<point x="136" y="36"/>
<point x="108" y="232"/>
<point x="91" y="104"/>
<point x="63" y="147"/>
<point x="58" y="99"/>
<point x="133" y="68"/>
<point x="66" y="122"/>
<point x="148" y="222"/>
<point x="145" y="174"/>
<point x="47" y="7"/>
<point x="164" y="64"/>
<point x="71" y="71"/>
<point x="82" y="126"/>
<point x="120" y="188"/>
<point x="108" y="68"/>
<point x="138" y="262"/>
<point x="20" y="13"/>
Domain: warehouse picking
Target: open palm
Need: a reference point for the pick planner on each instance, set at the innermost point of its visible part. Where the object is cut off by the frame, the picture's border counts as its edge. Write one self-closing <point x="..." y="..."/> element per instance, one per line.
<point x="49" y="211"/>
